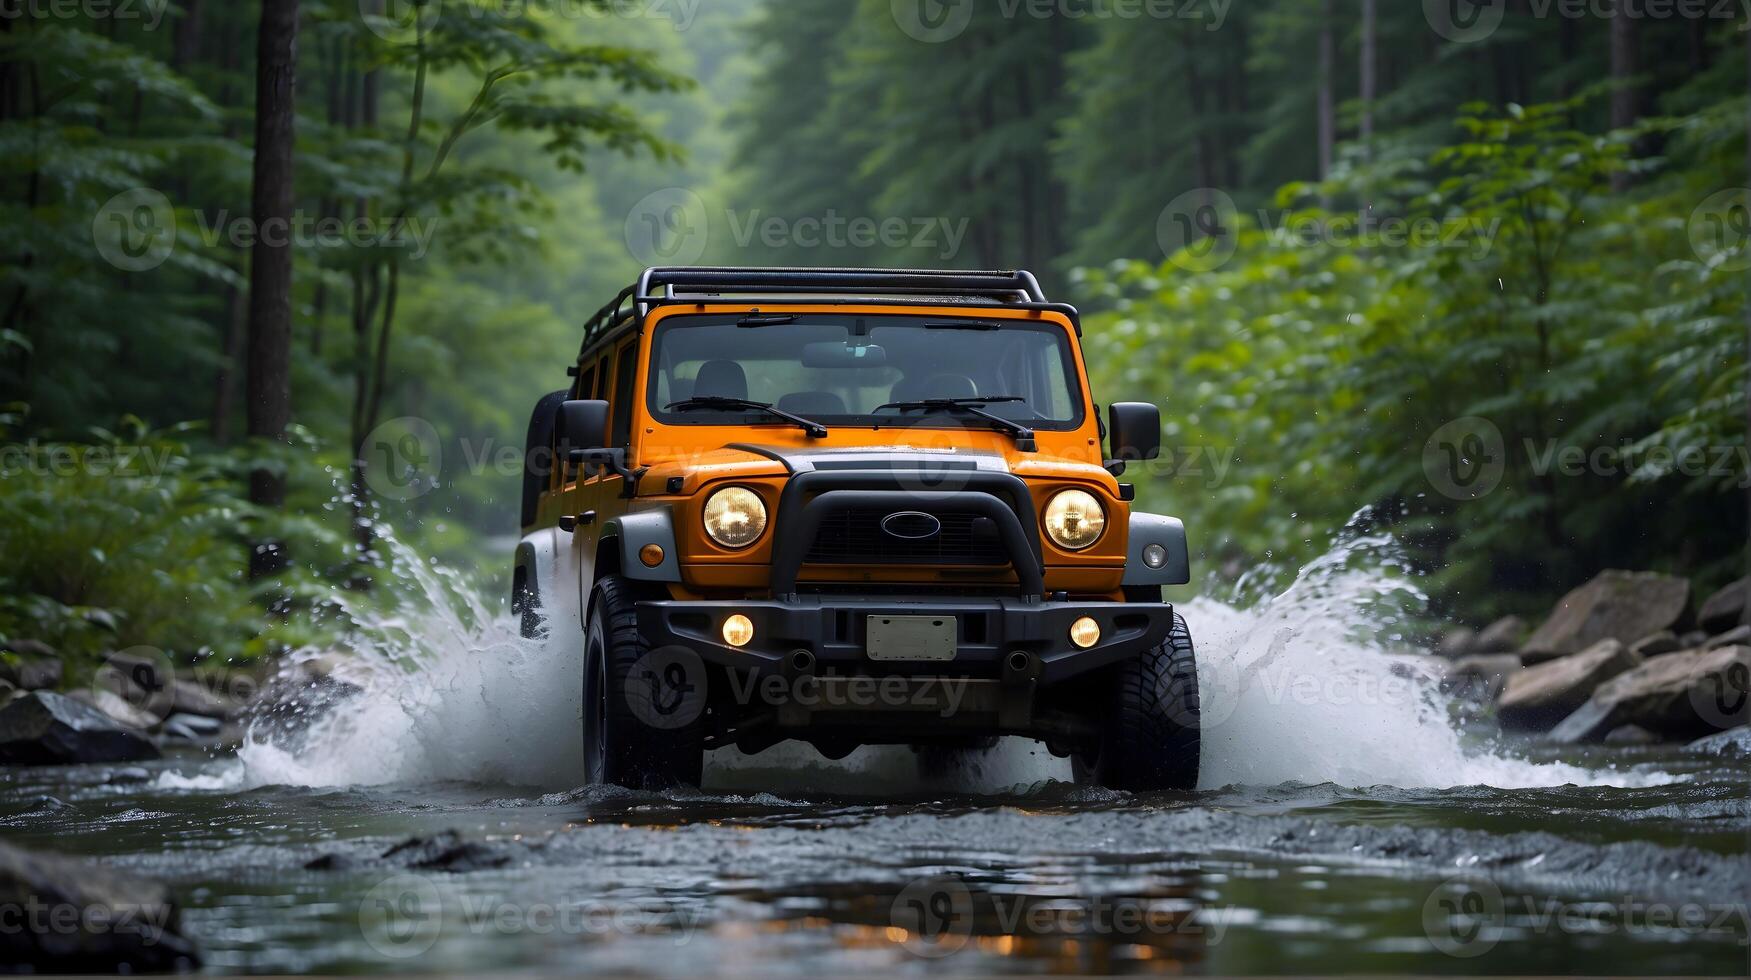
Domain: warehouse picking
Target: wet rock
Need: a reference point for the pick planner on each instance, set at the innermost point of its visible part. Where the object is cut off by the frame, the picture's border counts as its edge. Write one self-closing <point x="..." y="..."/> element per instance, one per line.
<point x="1693" y="640"/>
<point x="1736" y="636"/>
<point x="32" y="648"/>
<point x="44" y="729"/>
<point x="48" y="804"/>
<point x="1734" y="743"/>
<point x="1456" y="642"/>
<point x="146" y="673"/>
<point x="192" y="698"/>
<point x="332" y="862"/>
<point x="127" y="714"/>
<point x="1480" y="677"/>
<point x="191" y="728"/>
<point x="1631" y="735"/>
<point x="1655" y="644"/>
<point x="446" y="852"/>
<point x="1726" y="608"/>
<point x="1679" y="695"/>
<point x="33" y="673"/>
<point x="1505" y="635"/>
<point x="1541" y="696"/>
<point x="1615" y="605"/>
<point x="75" y="917"/>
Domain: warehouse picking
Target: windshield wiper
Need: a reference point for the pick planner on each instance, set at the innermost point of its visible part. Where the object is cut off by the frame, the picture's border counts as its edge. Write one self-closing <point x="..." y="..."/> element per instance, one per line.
<point x="815" y="429"/>
<point x="758" y="319"/>
<point x="1024" y="436"/>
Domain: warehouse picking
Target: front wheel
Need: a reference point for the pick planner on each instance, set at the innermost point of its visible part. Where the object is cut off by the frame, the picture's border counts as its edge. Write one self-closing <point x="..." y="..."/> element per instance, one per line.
<point x="1151" y="737"/>
<point x="643" y="711"/>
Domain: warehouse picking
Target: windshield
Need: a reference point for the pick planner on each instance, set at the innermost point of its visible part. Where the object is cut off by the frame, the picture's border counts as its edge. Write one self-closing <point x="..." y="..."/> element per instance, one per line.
<point x="845" y="369"/>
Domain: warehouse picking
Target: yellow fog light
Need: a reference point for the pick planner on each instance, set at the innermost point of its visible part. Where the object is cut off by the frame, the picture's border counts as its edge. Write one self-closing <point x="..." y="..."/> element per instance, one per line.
<point x="651" y="555"/>
<point x="738" y="630"/>
<point x="1074" y="520"/>
<point x="735" y="517"/>
<point x="1085" y="632"/>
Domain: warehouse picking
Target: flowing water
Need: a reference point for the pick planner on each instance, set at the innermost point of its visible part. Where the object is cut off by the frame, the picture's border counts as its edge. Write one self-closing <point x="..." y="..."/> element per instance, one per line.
<point x="1349" y="820"/>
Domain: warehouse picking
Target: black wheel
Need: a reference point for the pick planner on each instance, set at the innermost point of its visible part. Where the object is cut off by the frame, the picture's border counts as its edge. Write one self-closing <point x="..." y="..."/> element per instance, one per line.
<point x="1151" y="738"/>
<point x="643" y="710"/>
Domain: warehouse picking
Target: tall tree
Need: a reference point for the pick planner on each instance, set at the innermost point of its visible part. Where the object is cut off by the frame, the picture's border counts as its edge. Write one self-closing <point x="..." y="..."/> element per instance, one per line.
<point x="1327" y="103"/>
<point x="270" y="267"/>
<point x="1370" y="25"/>
<point x="1625" y="101"/>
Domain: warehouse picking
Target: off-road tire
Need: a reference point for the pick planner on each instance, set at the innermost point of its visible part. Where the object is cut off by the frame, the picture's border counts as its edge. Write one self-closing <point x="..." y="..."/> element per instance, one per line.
<point x="1151" y="737"/>
<point x="619" y="746"/>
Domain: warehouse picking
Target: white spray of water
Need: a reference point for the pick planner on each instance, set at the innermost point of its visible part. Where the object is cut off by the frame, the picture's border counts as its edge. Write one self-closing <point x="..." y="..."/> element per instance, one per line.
<point x="1301" y="688"/>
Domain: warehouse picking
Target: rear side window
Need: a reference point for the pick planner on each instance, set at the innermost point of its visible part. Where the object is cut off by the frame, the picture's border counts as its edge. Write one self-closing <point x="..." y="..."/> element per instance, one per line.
<point x="623" y="378"/>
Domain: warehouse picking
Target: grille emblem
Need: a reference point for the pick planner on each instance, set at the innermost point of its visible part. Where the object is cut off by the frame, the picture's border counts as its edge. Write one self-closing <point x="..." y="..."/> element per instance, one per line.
<point x="911" y="525"/>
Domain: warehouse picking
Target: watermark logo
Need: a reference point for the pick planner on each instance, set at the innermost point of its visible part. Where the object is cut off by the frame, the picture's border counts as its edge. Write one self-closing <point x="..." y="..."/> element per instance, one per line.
<point x="1720" y="229"/>
<point x="1464" y="917"/>
<point x="400" y="21"/>
<point x="666" y="688"/>
<point x="135" y="231"/>
<point x="402" y="916"/>
<point x="1199" y="230"/>
<point x="1465" y="21"/>
<point x="668" y="227"/>
<point x="1466" y="458"/>
<point x="1723" y="698"/>
<point x="402" y="458"/>
<point x="934" y="916"/>
<point x="933" y="21"/>
<point x="143" y="678"/>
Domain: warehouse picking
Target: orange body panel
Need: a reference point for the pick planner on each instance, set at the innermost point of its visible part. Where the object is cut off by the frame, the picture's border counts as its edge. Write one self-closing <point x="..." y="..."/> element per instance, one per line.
<point x="698" y="456"/>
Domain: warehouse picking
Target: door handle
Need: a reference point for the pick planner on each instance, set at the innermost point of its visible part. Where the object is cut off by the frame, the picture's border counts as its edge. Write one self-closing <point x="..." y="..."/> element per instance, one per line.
<point x="568" y="523"/>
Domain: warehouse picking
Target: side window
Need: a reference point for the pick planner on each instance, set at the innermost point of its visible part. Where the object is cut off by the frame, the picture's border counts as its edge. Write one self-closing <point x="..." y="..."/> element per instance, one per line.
<point x="623" y="403"/>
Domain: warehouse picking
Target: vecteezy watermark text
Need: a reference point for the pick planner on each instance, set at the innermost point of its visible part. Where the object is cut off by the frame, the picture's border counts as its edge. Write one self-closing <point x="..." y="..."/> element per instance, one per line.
<point x="149" y="12"/>
<point x="936" y="21"/>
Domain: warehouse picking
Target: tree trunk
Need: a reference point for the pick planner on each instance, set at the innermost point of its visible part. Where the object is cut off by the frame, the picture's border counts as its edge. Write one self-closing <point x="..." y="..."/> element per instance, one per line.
<point x="1370" y="22"/>
<point x="186" y="44"/>
<point x="1328" y="125"/>
<point x="270" y="270"/>
<point x="1625" y="104"/>
<point x="1746" y="614"/>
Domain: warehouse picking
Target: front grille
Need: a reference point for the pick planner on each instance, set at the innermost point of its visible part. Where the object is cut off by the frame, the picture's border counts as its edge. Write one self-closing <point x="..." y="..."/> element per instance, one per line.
<point x="855" y="537"/>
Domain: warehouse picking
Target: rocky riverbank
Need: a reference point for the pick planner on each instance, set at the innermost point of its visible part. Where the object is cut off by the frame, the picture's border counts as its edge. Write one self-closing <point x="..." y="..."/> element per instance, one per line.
<point x="1624" y="659"/>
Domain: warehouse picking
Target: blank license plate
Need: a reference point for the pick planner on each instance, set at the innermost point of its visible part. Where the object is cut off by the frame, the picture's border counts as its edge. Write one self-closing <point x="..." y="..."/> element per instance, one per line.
<point x="911" y="637"/>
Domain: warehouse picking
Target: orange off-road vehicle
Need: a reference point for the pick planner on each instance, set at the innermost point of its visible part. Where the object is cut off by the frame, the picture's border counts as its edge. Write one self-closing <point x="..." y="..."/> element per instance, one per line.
<point x="852" y="506"/>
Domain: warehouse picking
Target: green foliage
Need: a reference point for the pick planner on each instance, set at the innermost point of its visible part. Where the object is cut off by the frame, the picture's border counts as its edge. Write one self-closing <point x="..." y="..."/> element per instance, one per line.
<point x="1570" y="319"/>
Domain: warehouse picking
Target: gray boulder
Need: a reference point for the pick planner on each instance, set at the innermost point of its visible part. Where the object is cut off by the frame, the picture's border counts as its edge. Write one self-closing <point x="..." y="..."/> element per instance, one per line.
<point x="193" y="698"/>
<point x="1541" y="696"/>
<point x="1631" y="735"/>
<point x="192" y="728"/>
<point x="1615" y="605"/>
<point x="1734" y="743"/>
<point x="1505" y="635"/>
<point x="1726" y="608"/>
<point x="125" y="712"/>
<point x="1655" y="644"/>
<point x="1680" y="695"/>
<point x="1480" y="677"/>
<point x="1456" y="642"/>
<point x="33" y="673"/>
<point x="77" y="917"/>
<point x="46" y="729"/>
<point x="1733" y="637"/>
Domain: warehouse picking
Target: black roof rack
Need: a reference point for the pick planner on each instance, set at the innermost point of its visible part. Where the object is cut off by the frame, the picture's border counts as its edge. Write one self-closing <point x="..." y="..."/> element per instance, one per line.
<point x="661" y="285"/>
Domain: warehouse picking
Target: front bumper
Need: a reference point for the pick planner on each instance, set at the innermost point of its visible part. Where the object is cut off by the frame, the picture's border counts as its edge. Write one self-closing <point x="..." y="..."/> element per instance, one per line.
<point x="1013" y="639"/>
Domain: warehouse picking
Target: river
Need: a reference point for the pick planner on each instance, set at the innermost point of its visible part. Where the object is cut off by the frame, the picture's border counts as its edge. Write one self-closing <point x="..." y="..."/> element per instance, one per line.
<point x="1350" y="820"/>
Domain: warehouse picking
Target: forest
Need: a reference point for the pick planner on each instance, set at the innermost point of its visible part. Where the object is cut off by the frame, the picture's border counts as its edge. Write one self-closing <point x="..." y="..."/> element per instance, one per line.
<point x="280" y="281"/>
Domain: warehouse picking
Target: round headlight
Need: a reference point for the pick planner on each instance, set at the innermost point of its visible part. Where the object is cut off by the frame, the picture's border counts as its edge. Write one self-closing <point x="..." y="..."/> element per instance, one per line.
<point x="735" y="517"/>
<point x="1074" y="520"/>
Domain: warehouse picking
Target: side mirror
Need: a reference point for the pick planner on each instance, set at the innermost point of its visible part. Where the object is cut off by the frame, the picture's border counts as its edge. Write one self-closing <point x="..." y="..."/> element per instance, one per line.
<point x="1133" y="432"/>
<point x="580" y="426"/>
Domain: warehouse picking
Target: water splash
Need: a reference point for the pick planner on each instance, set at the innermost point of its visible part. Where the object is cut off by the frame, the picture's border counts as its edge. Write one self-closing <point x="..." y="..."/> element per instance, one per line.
<point x="1314" y="685"/>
